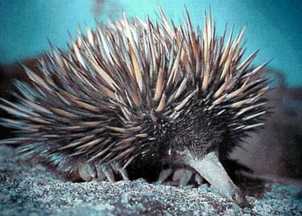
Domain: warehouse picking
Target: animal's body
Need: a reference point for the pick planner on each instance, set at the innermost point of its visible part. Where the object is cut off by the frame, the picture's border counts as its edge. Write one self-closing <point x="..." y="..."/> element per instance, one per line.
<point x="138" y="92"/>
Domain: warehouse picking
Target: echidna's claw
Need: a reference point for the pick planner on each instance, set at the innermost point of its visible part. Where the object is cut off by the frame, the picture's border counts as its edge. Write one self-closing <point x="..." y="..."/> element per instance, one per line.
<point x="164" y="175"/>
<point x="108" y="173"/>
<point x="182" y="176"/>
<point x="198" y="179"/>
<point x="105" y="171"/>
<point x="123" y="172"/>
<point x="100" y="175"/>
<point x="86" y="172"/>
<point x="111" y="172"/>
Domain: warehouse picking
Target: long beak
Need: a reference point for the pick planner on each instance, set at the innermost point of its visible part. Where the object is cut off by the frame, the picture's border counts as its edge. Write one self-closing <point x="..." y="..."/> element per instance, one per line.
<point x="212" y="170"/>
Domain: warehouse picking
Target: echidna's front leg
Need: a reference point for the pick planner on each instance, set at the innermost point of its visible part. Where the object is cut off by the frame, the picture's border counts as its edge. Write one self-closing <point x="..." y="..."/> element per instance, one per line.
<point x="182" y="176"/>
<point x="120" y="170"/>
<point x="164" y="175"/>
<point x="105" y="172"/>
<point x="179" y="176"/>
<point x="111" y="172"/>
<point x="86" y="172"/>
<point x="210" y="168"/>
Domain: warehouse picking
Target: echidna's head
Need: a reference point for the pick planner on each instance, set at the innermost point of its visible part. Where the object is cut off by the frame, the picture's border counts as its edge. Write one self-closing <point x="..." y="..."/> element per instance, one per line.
<point x="196" y="133"/>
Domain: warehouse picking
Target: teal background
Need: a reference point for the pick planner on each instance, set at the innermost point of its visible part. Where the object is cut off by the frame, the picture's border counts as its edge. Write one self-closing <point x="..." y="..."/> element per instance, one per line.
<point x="272" y="25"/>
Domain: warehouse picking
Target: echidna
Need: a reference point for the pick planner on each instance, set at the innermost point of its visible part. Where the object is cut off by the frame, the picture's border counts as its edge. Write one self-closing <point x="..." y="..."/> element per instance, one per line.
<point x="139" y="92"/>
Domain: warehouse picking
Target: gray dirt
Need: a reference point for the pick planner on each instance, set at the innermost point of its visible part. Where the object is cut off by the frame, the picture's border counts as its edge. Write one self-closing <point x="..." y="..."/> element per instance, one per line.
<point x="33" y="190"/>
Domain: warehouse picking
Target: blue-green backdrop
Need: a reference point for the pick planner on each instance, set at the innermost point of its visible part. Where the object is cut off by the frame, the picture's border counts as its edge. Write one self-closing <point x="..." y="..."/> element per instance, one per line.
<point x="272" y="25"/>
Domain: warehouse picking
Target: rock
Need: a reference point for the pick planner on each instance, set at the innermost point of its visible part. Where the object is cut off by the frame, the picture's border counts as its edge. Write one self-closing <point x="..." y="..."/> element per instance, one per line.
<point x="33" y="190"/>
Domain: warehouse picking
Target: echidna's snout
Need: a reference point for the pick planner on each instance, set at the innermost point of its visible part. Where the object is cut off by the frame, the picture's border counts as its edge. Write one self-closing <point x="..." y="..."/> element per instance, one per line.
<point x="211" y="169"/>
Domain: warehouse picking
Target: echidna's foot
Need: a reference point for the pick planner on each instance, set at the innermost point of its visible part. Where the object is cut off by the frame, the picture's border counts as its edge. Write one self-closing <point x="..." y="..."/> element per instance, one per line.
<point x="86" y="172"/>
<point x="164" y="175"/>
<point x="105" y="172"/>
<point x="182" y="176"/>
<point x="110" y="172"/>
<point x="179" y="176"/>
<point x="210" y="168"/>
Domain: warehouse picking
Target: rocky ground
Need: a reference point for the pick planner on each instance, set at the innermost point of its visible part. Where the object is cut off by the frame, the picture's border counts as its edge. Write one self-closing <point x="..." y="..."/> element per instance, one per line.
<point x="33" y="190"/>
